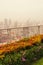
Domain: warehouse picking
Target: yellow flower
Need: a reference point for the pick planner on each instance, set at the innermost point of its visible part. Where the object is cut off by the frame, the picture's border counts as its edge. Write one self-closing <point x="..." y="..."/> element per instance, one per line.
<point x="1" y="56"/>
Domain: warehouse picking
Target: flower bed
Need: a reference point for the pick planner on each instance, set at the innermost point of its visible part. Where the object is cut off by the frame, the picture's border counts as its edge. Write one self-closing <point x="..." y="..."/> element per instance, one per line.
<point x="25" y="51"/>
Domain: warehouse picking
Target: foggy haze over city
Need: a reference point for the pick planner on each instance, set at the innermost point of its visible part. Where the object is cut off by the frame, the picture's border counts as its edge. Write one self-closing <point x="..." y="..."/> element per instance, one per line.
<point x="22" y="12"/>
<point x="20" y="18"/>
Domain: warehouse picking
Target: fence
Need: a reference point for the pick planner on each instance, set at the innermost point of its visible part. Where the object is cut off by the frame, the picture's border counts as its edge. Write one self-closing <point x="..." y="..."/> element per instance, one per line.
<point x="7" y="35"/>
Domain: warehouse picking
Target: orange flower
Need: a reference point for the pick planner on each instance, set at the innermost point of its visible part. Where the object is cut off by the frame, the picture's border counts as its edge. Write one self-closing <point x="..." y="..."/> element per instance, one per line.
<point x="15" y="45"/>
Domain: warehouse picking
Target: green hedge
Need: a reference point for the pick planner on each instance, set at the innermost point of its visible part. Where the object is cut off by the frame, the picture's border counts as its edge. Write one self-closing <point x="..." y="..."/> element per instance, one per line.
<point x="25" y="56"/>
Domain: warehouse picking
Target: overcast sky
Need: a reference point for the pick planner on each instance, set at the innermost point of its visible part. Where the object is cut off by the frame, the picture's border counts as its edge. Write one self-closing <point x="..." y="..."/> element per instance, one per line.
<point x="21" y="10"/>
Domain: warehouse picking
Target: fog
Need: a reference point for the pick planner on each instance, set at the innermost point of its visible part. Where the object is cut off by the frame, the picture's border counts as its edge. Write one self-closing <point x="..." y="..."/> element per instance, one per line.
<point x="21" y="12"/>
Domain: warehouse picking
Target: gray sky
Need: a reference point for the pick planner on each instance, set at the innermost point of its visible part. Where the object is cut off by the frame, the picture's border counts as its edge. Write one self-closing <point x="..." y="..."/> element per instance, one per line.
<point x="21" y="10"/>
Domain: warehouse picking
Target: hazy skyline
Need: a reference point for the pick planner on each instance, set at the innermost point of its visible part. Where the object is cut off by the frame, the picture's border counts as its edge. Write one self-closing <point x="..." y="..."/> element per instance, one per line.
<point x="21" y="10"/>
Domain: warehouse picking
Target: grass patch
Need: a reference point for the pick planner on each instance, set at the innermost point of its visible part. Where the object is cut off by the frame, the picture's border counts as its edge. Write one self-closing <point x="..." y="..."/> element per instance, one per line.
<point x="39" y="62"/>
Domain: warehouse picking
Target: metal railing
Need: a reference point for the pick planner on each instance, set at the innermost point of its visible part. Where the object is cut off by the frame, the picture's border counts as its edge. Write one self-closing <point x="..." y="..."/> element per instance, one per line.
<point x="7" y="35"/>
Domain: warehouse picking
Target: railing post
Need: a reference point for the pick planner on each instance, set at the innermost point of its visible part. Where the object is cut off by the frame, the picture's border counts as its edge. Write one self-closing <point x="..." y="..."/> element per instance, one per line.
<point x="38" y="29"/>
